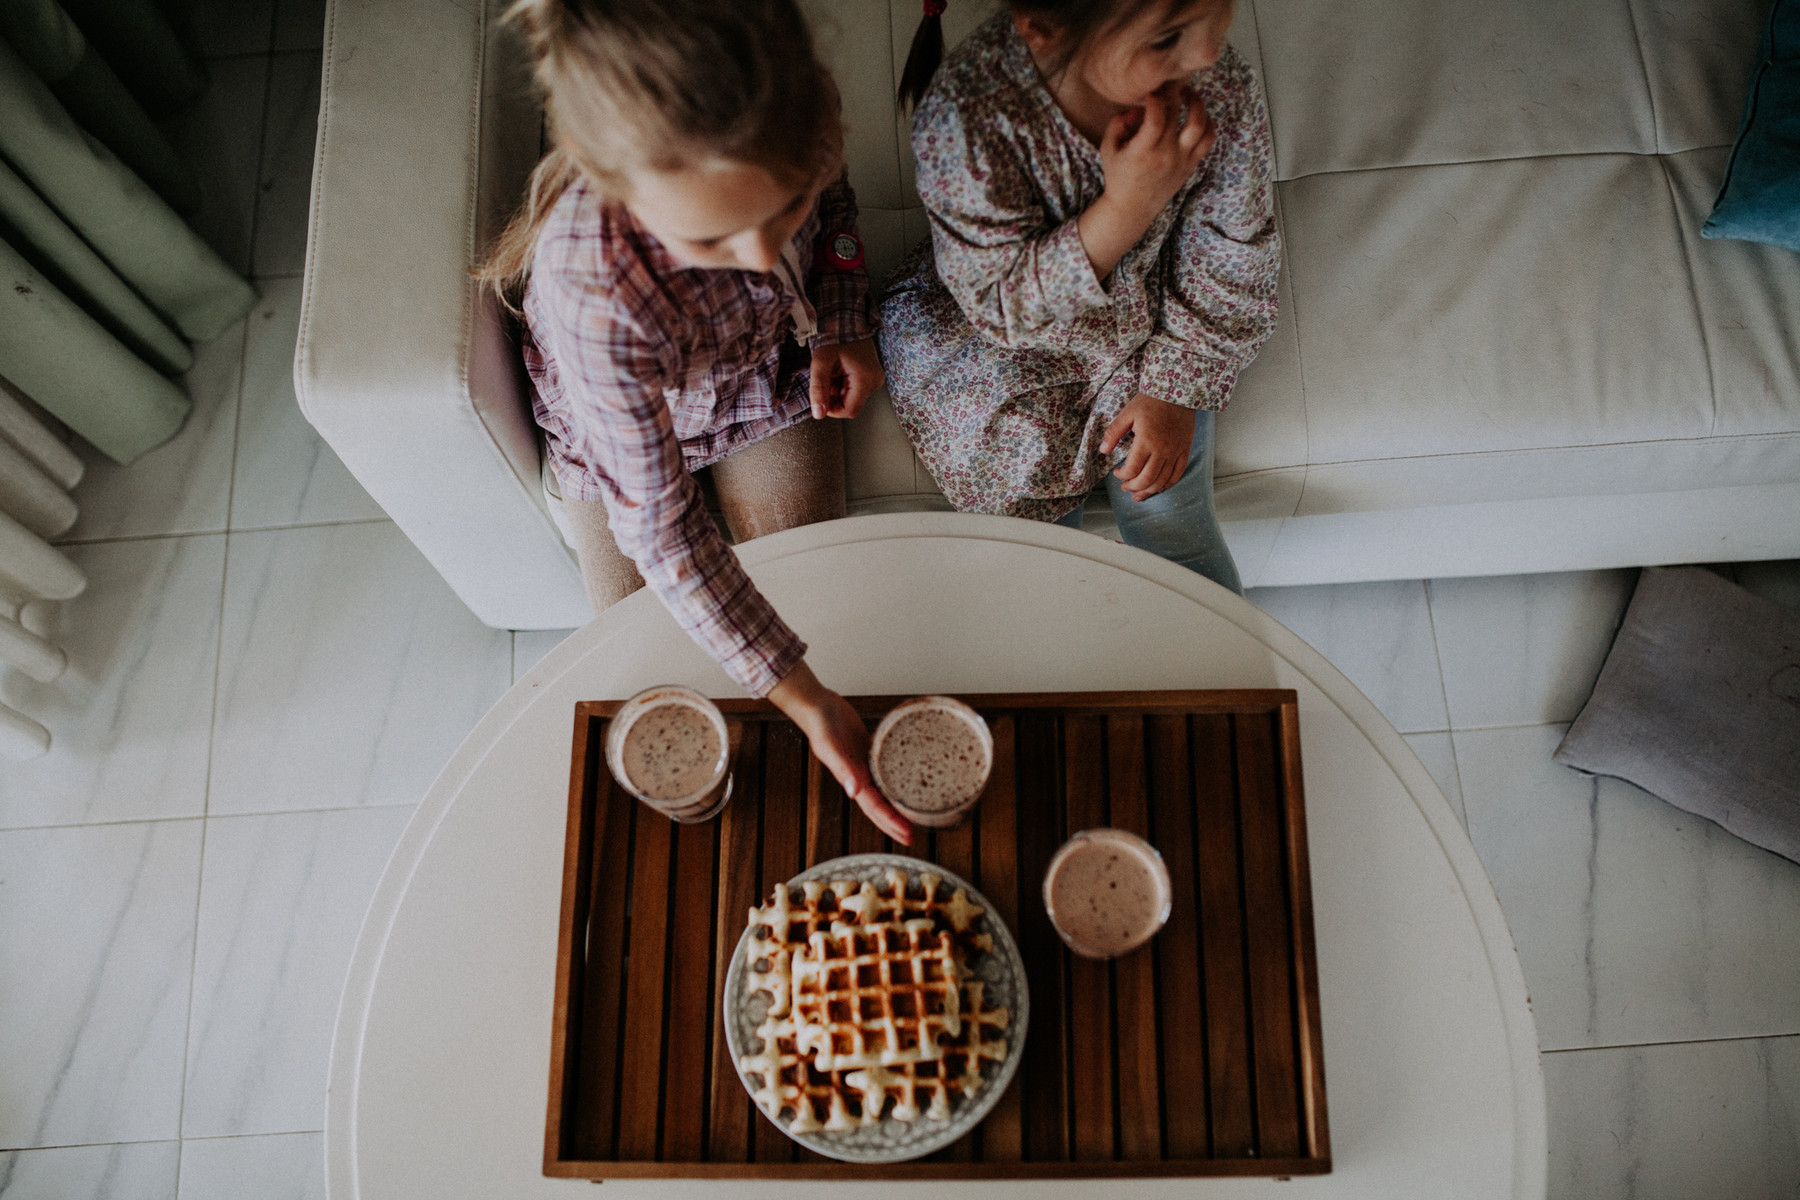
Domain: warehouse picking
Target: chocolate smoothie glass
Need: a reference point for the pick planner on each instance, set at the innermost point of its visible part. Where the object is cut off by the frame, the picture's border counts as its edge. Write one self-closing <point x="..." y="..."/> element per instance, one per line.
<point x="670" y="747"/>
<point x="930" y="757"/>
<point x="1108" y="892"/>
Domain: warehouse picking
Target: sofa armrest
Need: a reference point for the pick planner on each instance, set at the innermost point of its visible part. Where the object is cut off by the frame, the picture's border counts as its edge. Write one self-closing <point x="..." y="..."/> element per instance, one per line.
<point x="427" y="129"/>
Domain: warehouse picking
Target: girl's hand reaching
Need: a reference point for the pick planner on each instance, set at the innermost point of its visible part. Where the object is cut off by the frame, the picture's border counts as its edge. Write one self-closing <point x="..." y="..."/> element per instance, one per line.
<point x="1162" y="434"/>
<point x="844" y="377"/>
<point x="840" y="740"/>
<point x="1146" y="155"/>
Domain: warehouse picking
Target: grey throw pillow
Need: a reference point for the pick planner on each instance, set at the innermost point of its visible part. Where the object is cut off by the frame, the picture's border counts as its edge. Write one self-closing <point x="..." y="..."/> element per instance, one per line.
<point x="1699" y="703"/>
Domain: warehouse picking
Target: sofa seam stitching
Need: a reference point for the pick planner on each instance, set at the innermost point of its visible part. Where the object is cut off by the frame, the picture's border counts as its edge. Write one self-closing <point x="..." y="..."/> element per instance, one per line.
<point x="1299" y="357"/>
<point x="1501" y="158"/>
<point x="1693" y="282"/>
<point x="1637" y="40"/>
<point x="1462" y="454"/>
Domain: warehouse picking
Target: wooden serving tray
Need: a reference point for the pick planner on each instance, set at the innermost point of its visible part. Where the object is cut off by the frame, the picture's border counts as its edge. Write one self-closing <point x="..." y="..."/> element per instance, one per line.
<point x="1199" y="1054"/>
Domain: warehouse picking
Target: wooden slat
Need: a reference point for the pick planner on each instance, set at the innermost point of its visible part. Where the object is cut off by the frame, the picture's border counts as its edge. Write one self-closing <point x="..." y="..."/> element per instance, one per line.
<point x="1090" y="982"/>
<point x="997" y="875"/>
<point x="954" y="850"/>
<point x="690" y="1008"/>
<point x="577" y="892"/>
<point x="783" y="847"/>
<point x="640" y="1069"/>
<point x="603" y="981"/>
<point x="825" y="814"/>
<point x="1134" y="975"/>
<point x="1222" y="940"/>
<point x="1042" y="1074"/>
<point x="1271" y="952"/>
<point x="1306" y="993"/>
<point x="728" y="1129"/>
<point x="1180" y="1016"/>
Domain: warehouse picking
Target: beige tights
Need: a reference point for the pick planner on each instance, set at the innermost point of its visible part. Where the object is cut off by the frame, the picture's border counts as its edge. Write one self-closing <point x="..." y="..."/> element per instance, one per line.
<point x="794" y="477"/>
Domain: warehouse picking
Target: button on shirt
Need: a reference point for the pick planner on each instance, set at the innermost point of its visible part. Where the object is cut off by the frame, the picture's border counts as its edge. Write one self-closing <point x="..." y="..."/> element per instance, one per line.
<point x="646" y="370"/>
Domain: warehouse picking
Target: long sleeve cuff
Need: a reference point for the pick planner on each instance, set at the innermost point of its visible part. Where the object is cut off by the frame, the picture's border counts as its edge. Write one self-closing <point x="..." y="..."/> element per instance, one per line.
<point x="1172" y="372"/>
<point x="841" y="299"/>
<point x="700" y="581"/>
<point x="763" y="657"/>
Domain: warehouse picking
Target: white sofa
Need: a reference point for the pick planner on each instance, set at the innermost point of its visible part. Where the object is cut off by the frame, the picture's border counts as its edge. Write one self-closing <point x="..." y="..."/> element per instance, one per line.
<point x="1503" y="346"/>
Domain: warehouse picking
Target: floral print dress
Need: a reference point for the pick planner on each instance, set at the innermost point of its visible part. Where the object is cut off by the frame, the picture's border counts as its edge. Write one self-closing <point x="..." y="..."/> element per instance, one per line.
<point x="1006" y="357"/>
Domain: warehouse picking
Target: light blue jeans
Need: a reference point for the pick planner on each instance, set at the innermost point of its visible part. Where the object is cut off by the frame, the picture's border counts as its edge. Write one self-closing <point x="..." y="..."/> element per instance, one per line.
<point x="1180" y="523"/>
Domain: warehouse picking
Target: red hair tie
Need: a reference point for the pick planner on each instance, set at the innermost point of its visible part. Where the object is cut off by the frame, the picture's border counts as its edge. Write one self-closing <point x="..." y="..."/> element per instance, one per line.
<point x="934" y="8"/>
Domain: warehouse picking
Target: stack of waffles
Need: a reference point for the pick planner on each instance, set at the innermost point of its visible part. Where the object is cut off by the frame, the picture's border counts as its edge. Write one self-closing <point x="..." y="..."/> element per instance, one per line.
<point x="871" y="1002"/>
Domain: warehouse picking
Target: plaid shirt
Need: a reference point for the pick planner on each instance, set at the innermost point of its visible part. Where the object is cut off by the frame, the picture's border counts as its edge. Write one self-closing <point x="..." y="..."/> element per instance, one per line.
<point x="646" y="370"/>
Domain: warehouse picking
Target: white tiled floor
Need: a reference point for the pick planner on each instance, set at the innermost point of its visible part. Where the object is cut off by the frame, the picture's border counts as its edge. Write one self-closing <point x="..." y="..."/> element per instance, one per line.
<point x="185" y="874"/>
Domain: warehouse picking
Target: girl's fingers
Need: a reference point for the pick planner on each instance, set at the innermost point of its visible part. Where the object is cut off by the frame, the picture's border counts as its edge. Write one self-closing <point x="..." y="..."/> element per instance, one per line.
<point x="819" y="386"/>
<point x="1133" y="467"/>
<point x="1141" y="480"/>
<point x="1194" y="128"/>
<point x="884" y="816"/>
<point x="1117" y="429"/>
<point x="856" y="393"/>
<point x="1115" y="135"/>
<point x="1156" y="118"/>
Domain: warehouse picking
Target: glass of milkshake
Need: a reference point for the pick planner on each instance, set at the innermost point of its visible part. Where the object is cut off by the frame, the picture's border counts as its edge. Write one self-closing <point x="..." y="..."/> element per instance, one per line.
<point x="930" y="758"/>
<point x="670" y="747"/>
<point x="1108" y="892"/>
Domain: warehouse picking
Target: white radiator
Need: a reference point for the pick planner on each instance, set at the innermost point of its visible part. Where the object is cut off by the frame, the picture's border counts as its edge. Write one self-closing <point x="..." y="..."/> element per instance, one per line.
<point x="36" y="474"/>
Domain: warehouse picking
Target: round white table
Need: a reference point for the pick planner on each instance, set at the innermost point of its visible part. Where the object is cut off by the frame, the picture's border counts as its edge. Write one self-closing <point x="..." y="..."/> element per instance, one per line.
<point x="439" y="1070"/>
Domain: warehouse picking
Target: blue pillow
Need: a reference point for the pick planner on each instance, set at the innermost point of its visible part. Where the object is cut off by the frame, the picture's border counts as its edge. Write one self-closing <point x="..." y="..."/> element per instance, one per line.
<point x="1760" y="198"/>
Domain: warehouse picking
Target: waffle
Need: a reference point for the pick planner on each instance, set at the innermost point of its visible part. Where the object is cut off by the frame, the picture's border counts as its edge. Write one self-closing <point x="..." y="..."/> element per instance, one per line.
<point x="870" y="1003"/>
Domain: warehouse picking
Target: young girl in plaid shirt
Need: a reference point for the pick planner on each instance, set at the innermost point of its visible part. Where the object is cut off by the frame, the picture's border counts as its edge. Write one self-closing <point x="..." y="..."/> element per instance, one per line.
<point x="694" y="296"/>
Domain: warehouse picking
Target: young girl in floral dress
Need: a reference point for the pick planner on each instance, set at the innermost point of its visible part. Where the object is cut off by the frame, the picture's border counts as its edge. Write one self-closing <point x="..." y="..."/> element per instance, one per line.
<point x="694" y="296"/>
<point x="1102" y="263"/>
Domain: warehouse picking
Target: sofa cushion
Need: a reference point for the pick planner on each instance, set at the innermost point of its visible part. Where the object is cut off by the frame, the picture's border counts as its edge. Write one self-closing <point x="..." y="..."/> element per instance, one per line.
<point x="1760" y="198"/>
<point x="1699" y="703"/>
<point x="1362" y="84"/>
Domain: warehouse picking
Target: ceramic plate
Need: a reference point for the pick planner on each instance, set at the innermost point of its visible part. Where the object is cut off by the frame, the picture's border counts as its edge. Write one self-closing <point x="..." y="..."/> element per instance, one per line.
<point x="890" y="1140"/>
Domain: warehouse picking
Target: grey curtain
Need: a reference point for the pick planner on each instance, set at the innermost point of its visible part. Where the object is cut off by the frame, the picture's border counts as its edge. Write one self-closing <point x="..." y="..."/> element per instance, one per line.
<point x="103" y="286"/>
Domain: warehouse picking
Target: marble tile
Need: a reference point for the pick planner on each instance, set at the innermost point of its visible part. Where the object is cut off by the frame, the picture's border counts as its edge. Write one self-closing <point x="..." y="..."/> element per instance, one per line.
<point x="1675" y="1122"/>
<point x="130" y="717"/>
<point x="127" y="1171"/>
<point x="96" y="948"/>
<point x="1439" y="756"/>
<point x="1635" y="922"/>
<point x="1377" y="634"/>
<point x="299" y="25"/>
<point x="348" y="674"/>
<point x="184" y="485"/>
<point x="220" y="140"/>
<point x="530" y="645"/>
<point x="282" y="898"/>
<point x="285" y="474"/>
<point x="284" y="184"/>
<point x="1777" y="581"/>
<point x="228" y="27"/>
<point x="282" y="1166"/>
<point x="1525" y="649"/>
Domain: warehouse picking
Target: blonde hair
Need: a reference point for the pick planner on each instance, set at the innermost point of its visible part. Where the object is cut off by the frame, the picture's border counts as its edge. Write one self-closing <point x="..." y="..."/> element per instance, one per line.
<point x="655" y="84"/>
